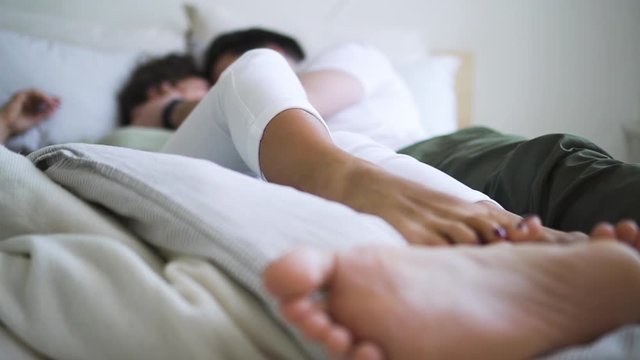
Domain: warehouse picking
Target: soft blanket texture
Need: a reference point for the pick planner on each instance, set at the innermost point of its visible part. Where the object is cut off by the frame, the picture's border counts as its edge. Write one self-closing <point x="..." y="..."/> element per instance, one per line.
<point x="190" y="206"/>
<point x="81" y="276"/>
<point x="75" y="284"/>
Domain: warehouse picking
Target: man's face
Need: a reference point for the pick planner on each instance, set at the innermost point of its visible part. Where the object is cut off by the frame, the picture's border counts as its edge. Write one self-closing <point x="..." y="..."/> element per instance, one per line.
<point x="149" y="113"/>
<point x="192" y="88"/>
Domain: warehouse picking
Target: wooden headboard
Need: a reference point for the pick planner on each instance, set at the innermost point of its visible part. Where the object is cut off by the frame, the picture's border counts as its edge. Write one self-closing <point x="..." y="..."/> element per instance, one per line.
<point x="464" y="85"/>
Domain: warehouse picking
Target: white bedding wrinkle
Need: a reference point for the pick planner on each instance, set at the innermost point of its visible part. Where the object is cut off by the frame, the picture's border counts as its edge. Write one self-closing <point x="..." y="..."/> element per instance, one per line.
<point x="194" y="207"/>
<point x="76" y="284"/>
<point x="78" y="296"/>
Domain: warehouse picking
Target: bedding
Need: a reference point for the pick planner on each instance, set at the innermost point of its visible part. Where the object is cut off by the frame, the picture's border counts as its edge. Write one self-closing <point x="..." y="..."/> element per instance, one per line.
<point x="111" y="253"/>
<point x="87" y="110"/>
<point x="68" y="289"/>
<point x="194" y="217"/>
<point x="108" y="252"/>
<point x="81" y="51"/>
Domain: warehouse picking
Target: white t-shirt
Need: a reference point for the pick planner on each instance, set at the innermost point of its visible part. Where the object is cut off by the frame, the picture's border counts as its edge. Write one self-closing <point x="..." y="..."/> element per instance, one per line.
<point x="387" y="114"/>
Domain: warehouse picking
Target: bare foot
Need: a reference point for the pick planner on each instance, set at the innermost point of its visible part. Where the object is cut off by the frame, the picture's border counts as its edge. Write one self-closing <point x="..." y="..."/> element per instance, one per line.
<point x="501" y="301"/>
<point x="626" y="231"/>
<point x="422" y="215"/>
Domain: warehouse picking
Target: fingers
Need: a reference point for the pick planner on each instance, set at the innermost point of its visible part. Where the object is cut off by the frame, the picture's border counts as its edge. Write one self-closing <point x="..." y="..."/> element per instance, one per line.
<point x="37" y="104"/>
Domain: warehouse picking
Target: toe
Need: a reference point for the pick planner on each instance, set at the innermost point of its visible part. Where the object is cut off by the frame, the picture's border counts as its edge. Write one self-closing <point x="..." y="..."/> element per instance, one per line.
<point x="367" y="351"/>
<point x="528" y="228"/>
<point x="603" y="231"/>
<point x="457" y="233"/>
<point x="315" y="326"/>
<point x="298" y="273"/>
<point x="296" y="309"/>
<point x="627" y="231"/>
<point x="338" y="341"/>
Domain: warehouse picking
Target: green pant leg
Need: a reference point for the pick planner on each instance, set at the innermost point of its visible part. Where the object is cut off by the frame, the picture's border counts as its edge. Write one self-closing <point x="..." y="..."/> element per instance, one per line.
<point x="570" y="182"/>
<point x="470" y="155"/>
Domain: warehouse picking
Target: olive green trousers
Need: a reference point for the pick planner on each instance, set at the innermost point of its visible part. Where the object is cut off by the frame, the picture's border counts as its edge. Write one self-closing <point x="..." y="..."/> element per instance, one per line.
<point x="568" y="181"/>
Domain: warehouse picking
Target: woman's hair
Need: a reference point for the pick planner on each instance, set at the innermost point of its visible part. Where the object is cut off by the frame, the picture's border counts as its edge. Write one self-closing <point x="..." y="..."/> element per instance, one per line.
<point x="239" y="42"/>
<point x="150" y="74"/>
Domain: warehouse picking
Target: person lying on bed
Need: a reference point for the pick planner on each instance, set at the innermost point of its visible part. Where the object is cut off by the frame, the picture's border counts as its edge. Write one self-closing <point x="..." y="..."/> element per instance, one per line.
<point x="418" y="220"/>
<point x="537" y="297"/>
<point x="25" y="109"/>
<point x="554" y="176"/>
<point x="437" y="228"/>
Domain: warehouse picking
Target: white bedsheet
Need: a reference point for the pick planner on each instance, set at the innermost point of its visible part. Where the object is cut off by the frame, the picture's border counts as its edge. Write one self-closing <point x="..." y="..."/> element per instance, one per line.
<point x="77" y="284"/>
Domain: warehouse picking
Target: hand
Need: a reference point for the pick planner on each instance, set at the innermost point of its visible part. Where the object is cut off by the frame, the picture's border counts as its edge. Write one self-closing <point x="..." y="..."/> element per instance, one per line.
<point x="150" y="112"/>
<point x="25" y="110"/>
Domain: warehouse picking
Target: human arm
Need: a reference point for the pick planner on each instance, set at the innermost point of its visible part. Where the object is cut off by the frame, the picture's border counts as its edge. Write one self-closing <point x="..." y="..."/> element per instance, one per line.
<point x="25" y="110"/>
<point x="344" y="75"/>
<point x="331" y="91"/>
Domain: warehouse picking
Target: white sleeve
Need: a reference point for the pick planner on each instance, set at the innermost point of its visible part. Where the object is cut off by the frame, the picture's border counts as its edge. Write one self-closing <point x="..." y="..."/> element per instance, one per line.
<point x="406" y="166"/>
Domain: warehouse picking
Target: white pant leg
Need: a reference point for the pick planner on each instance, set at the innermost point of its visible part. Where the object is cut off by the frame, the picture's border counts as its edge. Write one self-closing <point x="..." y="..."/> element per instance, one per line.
<point x="228" y="124"/>
<point x="405" y="166"/>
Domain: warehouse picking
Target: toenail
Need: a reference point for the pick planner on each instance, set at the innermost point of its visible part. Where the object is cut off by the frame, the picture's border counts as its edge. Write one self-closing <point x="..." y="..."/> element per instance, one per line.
<point x="500" y="232"/>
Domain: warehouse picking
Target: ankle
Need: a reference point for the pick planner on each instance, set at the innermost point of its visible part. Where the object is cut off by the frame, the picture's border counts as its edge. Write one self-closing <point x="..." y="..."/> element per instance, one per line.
<point x="333" y="177"/>
<point x="356" y="176"/>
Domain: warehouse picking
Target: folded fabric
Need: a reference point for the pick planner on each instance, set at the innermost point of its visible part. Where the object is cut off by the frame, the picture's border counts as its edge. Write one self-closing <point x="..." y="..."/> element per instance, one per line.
<point x="194" y="207"/>
<point x="76" y="284"/>
<point x="78" y="296"/>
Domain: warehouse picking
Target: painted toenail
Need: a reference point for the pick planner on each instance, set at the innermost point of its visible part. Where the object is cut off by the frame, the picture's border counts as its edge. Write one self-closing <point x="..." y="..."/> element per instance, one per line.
<point x="500" y="232"/>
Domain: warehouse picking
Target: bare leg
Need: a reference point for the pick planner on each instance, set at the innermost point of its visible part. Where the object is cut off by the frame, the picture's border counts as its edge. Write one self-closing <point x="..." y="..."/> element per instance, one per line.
<point x="297" y="151"/>
<point x="501" y="301"/>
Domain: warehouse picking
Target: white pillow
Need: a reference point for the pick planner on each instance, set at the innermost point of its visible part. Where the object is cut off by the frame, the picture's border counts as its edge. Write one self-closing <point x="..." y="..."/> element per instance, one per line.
<point x="432" y="83"/>
<point x="85" y="80"/>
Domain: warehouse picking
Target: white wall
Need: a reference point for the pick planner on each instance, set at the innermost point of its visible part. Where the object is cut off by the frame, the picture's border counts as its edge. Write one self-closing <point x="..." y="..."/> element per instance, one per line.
<point x="541" y="65"/>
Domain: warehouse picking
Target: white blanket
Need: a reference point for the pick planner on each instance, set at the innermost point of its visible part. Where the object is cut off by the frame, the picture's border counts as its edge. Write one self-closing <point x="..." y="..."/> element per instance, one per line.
<point x="78" y="283"/>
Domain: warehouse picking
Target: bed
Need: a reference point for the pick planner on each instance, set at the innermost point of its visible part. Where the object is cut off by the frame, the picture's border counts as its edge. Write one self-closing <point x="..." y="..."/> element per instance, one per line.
<point x="107" y="253"/>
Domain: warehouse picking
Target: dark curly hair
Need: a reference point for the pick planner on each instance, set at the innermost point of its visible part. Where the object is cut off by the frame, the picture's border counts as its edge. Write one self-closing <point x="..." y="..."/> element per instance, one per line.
<point x="152" y="73"/>
<point x="239" y="42"/>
